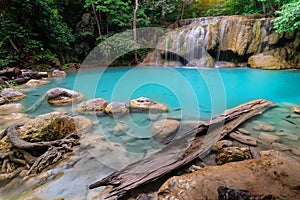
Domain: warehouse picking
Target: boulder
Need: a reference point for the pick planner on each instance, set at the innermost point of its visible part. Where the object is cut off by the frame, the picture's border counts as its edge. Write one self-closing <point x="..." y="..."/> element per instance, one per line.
<point x="143" y="104"/>
<point x="53" y="126"/>
<point x="62" y="96"/>
<point x="10" y="108"/>
<point x="269" y="138"/>
<point x="232" y="154"/>
<point x="121" y="127"/>
<point x="267" y="62"/>
<point x="205" y="61"/>
<point x="12" y="94"/>
<point x="272" y="174"/>
<point x="224" y="64"/>
<point x="13" y="119"/>
<point x="35" y="82"/>
<point x="93" y="106"/>
<point x="165" y="130"/>
<point x="117" y="109"/>
<point x="245" y="139"/>
<point x="58" y="73"/>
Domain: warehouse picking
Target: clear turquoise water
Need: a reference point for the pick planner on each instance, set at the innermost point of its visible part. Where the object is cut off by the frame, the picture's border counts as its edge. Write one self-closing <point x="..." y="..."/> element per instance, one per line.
<point x="190" y="94"/>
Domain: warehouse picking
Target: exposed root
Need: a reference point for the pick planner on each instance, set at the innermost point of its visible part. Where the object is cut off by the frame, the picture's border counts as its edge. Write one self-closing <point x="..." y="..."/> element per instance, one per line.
<point x="34" y="156"/>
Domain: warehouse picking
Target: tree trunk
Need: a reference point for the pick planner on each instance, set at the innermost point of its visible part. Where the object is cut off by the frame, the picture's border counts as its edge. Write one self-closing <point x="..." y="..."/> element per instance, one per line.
<point x="134" y="28"/>
<point x="196" y="143"/>
<point x="96" y="18"/>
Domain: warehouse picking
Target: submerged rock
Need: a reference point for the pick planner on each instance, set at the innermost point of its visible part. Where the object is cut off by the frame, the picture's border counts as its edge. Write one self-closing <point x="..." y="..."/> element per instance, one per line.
<point x="165" y="130"/>
<point x="62" y="96"/>
<point x="93" y="106"/>
<point x="269" y="138"/>
<point x="245" y="139"/>
<point x="121" y="127"/>
<point x="117" y="109"/>
<point x="264" y="127"/>
<point x="10" y="108"/>
<point x="254" y="175"/>
<point x="143" y="104"/>
<point x="12" y="94"/>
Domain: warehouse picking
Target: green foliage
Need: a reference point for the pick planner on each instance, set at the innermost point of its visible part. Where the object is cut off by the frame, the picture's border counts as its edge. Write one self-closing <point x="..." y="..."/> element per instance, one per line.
<point x="289" y="17"/>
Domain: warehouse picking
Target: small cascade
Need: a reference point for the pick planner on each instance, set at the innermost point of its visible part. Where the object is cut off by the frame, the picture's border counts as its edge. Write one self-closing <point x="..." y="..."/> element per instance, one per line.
<point x="227" y="38"/>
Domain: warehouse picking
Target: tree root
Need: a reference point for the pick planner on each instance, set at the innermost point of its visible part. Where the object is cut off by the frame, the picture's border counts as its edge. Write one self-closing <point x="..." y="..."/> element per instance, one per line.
<point x="21" y="155"/>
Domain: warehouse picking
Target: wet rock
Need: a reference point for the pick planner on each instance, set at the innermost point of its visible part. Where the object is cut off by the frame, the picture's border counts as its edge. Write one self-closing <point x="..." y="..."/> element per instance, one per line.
<point x="10" y="108"/>
<point x="164" y="130"/>
<point x="62" y="96"/>
<point x="254" y="175"/>
<point x="93" y="106"/>
<point x="264" y="127"/>
<point x="12" y="94"/>
<point x="143" y="104"/>
<point x="296" y="110"/>
<point x="35" y="82"/>
<point x="269" y="138"/>
<point x="232" y="154"/>
<point x="205" y="61"/>
<point x="224" y="64"/>
<point x="267" y="62"/>
<point x="117" y="109"/>
<point x="243" y="131"/>
<point x="245" y="139"/>
<point x="221" y="144"/>
<point x="59" y="73"/>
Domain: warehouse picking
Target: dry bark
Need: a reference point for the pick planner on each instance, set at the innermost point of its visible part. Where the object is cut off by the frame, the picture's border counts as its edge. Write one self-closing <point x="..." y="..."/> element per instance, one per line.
<point x="50" y="151"/>
<point x="196" y="143"/>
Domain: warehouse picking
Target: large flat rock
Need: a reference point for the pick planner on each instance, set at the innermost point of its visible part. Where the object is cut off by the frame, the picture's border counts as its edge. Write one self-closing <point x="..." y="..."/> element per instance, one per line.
<point x="274" y="173"/>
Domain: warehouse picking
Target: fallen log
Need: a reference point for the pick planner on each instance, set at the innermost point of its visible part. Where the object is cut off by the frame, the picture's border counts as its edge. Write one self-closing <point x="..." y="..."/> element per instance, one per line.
<point x="11" y="72"/>
<point x="196" y="143"/>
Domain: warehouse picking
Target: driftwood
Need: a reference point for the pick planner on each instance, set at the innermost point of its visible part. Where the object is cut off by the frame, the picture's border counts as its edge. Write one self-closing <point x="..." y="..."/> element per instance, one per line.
<point x="196" y="143"/>
<point x="48" y="152"/>
<point x="10" y="72"/>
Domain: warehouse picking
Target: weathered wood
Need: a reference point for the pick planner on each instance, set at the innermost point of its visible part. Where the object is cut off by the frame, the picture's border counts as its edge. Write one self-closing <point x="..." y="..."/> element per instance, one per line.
<point x="11" y="72"/>
<point x="15" y="139"/>
<point x="195" y="143"/>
